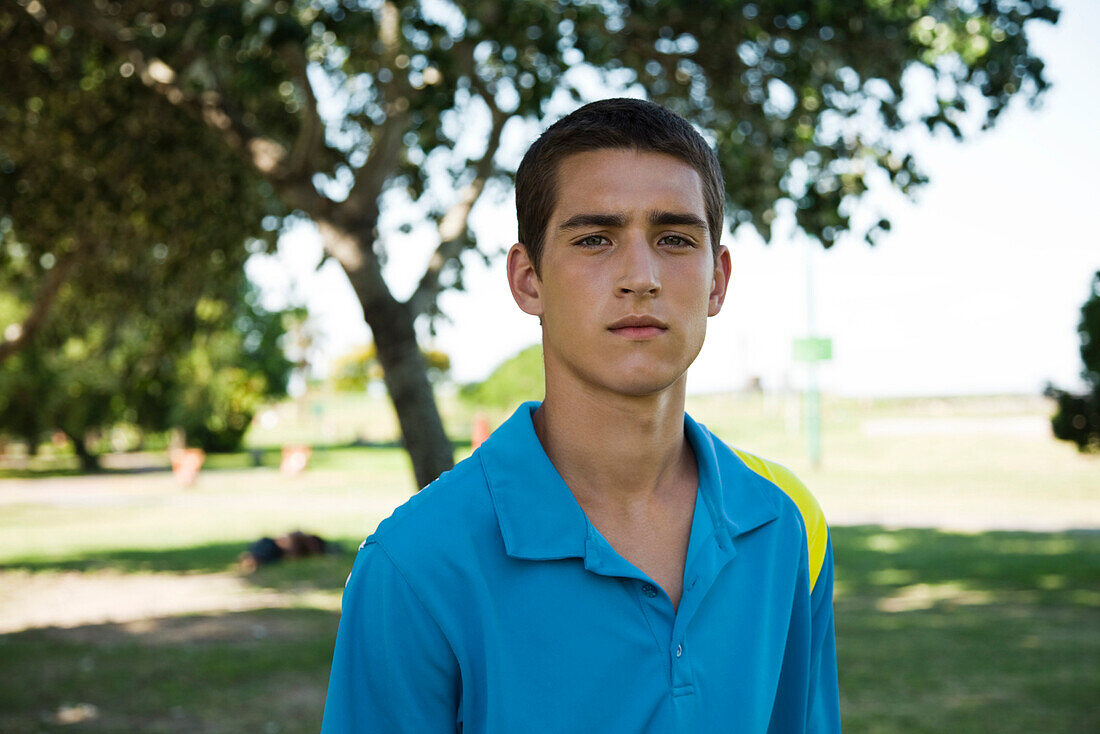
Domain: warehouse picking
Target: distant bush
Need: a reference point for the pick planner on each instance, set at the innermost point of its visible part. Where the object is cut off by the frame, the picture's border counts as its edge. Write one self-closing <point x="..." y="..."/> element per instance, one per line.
<point x="516" y="379"/>
<point x="1077" y="419"/>
<point x="355" y="370"/>
<point x="1078" y="416"/>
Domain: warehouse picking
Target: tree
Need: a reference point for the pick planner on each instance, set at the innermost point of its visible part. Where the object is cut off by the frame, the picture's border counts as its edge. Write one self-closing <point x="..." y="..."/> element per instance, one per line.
<point x="1077" y="418"/>
<point x="230" y="368"/>
<point x="122" y="233"/>
<point x="85" y="371"/>
<point x="107" y="193"/>
<point x="349" y="108"/>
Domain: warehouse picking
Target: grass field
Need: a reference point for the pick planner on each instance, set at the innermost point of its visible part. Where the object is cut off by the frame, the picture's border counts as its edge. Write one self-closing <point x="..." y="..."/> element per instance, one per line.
<point x="967" y="547"/>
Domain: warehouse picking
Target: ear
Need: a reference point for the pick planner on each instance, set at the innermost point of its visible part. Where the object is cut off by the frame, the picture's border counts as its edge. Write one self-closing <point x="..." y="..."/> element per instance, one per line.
<point x="524" y="281"/>
<point x="723" y="266"/>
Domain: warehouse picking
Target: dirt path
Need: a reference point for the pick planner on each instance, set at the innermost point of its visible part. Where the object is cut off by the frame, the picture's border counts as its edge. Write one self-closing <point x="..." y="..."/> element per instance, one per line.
<point x="74" y="599"/>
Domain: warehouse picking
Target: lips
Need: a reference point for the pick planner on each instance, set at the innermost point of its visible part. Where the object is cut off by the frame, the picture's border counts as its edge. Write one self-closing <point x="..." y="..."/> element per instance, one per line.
<point x="638" y="327"/>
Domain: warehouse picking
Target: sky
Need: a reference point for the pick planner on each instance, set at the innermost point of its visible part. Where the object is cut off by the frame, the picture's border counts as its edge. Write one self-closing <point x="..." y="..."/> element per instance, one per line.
<point x="977" y="289"/>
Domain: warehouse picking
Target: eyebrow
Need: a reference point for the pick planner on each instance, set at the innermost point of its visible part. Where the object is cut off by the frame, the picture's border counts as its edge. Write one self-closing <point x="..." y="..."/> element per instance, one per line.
<point x="684" y="219"/>
<point x="656" y="218"/>
<point x="580" y="221"/>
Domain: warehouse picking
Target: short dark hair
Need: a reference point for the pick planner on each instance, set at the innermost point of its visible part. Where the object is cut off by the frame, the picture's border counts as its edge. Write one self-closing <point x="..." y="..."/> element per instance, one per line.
<point x="629" y="124"/>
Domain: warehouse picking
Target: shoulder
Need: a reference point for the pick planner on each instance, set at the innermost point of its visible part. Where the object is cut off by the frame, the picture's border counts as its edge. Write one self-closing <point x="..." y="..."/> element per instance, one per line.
<point x="792" y="486"/>
<point x="813" y="518"/>
<point x="448" y="518"/>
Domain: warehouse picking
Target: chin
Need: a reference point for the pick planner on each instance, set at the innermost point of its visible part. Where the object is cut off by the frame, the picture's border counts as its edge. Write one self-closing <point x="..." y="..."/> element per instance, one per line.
<point x="644" y="391"/>
<point x="639" y="384"/>
<point x="633" y="376"/>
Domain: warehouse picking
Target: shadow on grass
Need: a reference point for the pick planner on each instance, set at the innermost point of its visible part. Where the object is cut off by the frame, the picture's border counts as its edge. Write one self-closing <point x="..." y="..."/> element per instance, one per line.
<point x="1062" y="567"/>
<point x="936" y="632"/>
<point x="871" y="562"/>
<point x="210" y="558"/>
<point x="951" y="632"/>
<point x="212" y="672"/>
<point x="315" y="572"/>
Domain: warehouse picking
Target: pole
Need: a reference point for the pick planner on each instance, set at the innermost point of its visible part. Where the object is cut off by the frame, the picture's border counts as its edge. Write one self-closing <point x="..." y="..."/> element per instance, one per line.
<point x="813" y="398"/>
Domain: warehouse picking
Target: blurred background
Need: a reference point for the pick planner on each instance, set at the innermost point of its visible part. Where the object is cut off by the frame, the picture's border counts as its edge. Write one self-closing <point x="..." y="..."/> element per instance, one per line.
<point x="252" y="297"/>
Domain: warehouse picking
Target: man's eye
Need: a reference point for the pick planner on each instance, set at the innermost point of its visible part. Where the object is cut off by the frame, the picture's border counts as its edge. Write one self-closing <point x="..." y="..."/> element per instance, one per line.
<point x="675" y="240"/>
<point x="593" y="240"/>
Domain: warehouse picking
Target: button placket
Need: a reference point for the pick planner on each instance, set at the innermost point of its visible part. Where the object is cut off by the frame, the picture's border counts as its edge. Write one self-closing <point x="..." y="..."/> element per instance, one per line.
<point x="681" y="672"/>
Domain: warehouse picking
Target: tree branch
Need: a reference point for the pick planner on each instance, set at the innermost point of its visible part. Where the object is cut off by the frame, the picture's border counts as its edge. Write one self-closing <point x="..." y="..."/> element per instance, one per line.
<point x="360" y="209"/>
<point x="267" y="156"/>
<point x="362" y="266"/>
<point x="453" y="225"/>
<point x="311" y="135"/>
<point x="16" y="335"/>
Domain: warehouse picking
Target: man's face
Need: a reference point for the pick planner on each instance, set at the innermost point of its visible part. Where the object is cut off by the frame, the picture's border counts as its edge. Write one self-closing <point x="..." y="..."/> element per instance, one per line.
<point x="628" y="277"/>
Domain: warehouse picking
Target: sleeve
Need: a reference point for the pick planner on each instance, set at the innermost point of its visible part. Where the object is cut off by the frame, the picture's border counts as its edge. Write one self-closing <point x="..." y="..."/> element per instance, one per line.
<point x="392" y="669"/>
<point x="824" y="695"/>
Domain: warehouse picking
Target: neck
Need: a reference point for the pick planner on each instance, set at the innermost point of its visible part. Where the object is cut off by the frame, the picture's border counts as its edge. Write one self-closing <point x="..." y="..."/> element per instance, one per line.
<point x="619" y="452"/>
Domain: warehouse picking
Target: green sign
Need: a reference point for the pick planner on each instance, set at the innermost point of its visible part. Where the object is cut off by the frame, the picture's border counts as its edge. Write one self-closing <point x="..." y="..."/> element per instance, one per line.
<point x="813" y="349"/>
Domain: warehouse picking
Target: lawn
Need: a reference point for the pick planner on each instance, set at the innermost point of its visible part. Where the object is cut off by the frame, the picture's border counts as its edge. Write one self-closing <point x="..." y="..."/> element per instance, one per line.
<point x="121" y="609"/>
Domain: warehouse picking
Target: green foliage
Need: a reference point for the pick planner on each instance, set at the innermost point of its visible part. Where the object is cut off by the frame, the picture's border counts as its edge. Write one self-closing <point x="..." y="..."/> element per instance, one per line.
<point x="1089" y="330"/>
<point x="83" y="374"/>
<point x="228" y="372"/>
<point x="94" y="170"/>
<point x="516" y="379"/>
<point x="354" y="371"/>
<point x="779" y="86"/>
<point x="1077" y="418"/>
<point x="149" y="220"/>
<point x="438" y="363"/>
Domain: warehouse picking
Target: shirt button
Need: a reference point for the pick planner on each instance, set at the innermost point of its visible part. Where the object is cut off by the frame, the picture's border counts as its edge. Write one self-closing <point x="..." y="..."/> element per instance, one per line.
<point x="679" y="650"/>
<point x="649" y="590"/>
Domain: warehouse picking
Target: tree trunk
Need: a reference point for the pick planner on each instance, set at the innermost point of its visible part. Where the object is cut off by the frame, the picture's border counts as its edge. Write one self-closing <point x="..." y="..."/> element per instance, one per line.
<point x="410" y="391"/>
<point x="89" y="462"/>
<point x="31" y="439"/>
<point x="404" y="371"/>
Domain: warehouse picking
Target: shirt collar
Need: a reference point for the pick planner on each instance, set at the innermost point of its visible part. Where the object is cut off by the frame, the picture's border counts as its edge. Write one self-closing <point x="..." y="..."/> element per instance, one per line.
<point x="540" y="519"/>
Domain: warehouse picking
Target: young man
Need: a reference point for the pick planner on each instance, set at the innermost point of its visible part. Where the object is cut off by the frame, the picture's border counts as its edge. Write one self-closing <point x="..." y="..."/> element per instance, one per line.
<point x="603" y="563"/>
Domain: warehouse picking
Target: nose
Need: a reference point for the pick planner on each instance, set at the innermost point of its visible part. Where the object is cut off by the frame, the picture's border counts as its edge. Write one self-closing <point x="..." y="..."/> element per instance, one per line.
<point x="639" y="275"/>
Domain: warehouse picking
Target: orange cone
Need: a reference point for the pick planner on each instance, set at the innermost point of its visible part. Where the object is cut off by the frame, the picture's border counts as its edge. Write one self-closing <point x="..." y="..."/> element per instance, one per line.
<point x="186" y="464"/>
<point x="480" y="430"/>
<point x="294" y="459"/>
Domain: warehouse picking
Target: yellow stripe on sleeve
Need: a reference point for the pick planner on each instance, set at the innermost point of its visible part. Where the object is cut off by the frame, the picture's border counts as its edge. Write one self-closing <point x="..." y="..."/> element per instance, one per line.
<point x="817" y="532"/>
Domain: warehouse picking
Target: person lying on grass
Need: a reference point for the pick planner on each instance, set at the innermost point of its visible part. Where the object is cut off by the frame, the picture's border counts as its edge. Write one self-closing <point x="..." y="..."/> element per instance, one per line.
<point x="293" y="545"/>
<point x="602" y="563"/>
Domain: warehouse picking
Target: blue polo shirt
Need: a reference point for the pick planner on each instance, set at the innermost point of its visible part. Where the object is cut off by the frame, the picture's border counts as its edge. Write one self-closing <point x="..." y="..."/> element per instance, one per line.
<point x="489" y="603"/>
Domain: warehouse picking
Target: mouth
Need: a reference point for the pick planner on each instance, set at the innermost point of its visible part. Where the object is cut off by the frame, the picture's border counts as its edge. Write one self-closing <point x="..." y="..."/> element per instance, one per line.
<point x="638" y="327"/>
